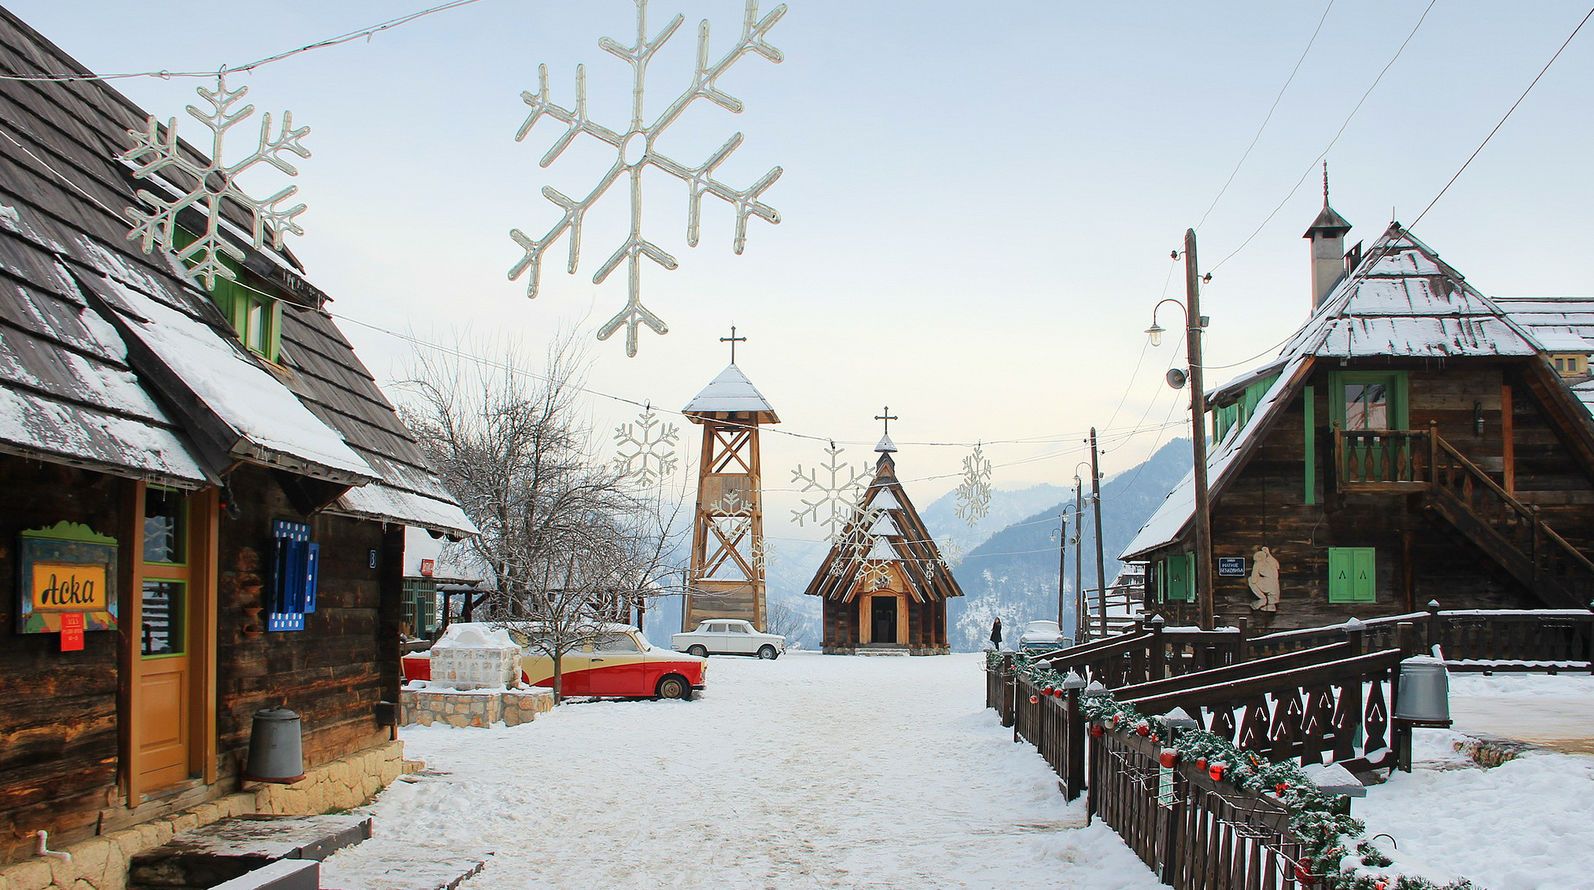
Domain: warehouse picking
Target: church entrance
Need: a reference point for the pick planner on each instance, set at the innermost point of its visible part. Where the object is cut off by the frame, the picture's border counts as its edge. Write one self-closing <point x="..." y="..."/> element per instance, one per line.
<point x="883" y="610"/>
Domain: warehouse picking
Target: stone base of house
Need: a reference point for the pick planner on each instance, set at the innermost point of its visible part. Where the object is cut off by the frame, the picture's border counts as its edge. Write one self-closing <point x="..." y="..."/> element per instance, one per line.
<point x="100" y="863"/>
<point x="888" y="649"/>
<point x="474" y="707"/>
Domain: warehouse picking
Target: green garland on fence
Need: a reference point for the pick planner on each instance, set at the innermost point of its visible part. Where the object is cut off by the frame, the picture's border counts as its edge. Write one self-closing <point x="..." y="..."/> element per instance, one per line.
<point x="1326" y="833"/>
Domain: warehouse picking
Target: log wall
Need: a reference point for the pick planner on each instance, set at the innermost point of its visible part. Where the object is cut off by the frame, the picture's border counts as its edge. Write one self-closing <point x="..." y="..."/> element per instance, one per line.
<point x="58" y="729"/>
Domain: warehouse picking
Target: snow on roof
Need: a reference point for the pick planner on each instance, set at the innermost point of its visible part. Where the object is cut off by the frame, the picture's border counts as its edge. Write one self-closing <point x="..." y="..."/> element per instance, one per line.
<point x="1559" y="324"/>
<point x="885" y="446"/>
<point x="1401" y="301"/>
<point x="730" y="392"/>
<point x="266" y="415"/>
<point x="374" y="500"/>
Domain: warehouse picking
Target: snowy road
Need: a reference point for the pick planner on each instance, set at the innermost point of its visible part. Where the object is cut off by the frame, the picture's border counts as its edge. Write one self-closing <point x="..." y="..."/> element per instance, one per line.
<point x="810" y="771"/>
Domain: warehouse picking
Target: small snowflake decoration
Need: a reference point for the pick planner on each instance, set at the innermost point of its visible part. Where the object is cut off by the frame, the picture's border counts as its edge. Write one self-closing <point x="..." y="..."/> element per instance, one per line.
<point x="155" y="152"/>
<point x="647" y="448"/>
<point x="761" y="552"/>
<point x="974" y="492"/>
<point x="831" y="492"/>
<point x="951" y="554"/>
<point x="636" y="149"/>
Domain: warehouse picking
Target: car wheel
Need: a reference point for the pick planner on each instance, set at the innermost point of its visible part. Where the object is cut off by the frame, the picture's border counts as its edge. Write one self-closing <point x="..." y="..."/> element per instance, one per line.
<point x="699" y="651"/>
<point x="767" y="653"/>
<point x="674" y="687"/>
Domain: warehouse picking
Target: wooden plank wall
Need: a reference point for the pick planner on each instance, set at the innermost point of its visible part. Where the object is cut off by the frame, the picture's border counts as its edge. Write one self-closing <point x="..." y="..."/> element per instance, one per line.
<point x="334" y="672"/>
<point x="1266" y="506"/>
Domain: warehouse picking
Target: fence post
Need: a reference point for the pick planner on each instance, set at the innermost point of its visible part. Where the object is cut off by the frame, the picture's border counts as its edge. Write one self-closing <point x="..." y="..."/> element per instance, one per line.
<point x="1589" y="638"/>
<point x="1242" y="643"/>
<point x="1074" y="738"/>
<point x="1010" y="715"/>
<point x="1157" y="655"/>
<point x="1433" y="624"/>
<point x="1406" y="639"/>
<point x="1353" y="635"/>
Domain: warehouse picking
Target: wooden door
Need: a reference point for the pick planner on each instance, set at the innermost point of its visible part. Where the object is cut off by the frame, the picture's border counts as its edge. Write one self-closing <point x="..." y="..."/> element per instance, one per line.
<point x="168" y="622"/>
<point x="884" y="612"/>
<point x="163" y="689"/>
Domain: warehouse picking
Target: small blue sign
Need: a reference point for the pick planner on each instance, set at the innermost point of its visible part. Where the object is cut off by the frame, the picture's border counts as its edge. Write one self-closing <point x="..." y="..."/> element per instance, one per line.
<point x="1231" y="567"/>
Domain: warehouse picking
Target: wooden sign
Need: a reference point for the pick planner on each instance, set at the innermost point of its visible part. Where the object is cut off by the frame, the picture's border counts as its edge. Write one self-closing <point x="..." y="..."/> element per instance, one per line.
<point x="72" y="632"/>
<point x="66" y="569"/>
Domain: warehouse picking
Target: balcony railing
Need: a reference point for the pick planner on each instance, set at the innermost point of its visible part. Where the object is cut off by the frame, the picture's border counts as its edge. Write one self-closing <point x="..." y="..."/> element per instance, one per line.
<point x="1396" y="461"/>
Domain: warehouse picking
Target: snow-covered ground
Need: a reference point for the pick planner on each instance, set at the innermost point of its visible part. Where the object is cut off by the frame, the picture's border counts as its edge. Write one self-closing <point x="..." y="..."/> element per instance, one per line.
<point x="1520" y="826"/>
<point x="809" y="771"/>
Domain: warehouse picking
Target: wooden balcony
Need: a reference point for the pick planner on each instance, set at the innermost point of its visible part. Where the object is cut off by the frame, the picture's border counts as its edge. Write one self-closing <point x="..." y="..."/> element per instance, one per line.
<point x="1388" y="461"/>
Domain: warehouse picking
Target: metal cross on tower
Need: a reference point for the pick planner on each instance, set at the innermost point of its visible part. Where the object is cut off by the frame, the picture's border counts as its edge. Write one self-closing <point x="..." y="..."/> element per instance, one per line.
<point x="733" y="340"/>
<point x="887" y="416"/>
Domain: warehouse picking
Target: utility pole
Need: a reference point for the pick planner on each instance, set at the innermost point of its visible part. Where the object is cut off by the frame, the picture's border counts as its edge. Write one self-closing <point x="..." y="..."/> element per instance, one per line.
<point x="1095" y="495"/>
<point x="1081" y="614"/>
<point x="1194" y="324"/>
<point x="1062" y="553"/>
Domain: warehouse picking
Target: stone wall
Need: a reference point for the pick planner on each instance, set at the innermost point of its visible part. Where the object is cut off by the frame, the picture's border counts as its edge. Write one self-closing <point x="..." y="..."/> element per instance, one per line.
<point x="100" y="863"/>
<point x="474" y="707"/>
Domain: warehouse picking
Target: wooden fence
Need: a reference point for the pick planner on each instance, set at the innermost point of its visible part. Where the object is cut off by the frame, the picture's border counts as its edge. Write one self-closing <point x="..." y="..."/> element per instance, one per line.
<point x="1055" y="726"/>
<point x="1150" y="652"/>
<point x="1192" y="832"/>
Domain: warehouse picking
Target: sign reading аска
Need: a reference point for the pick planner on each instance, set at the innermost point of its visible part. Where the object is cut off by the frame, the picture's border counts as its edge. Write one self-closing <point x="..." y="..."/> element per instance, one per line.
<point x="62" y="587"/>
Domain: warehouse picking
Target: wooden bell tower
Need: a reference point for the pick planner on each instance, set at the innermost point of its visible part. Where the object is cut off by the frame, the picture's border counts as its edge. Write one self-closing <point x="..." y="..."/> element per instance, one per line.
<point x="727" y="568"/>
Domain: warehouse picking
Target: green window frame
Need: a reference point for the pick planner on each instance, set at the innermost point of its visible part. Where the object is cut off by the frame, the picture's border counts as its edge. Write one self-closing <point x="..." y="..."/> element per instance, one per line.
<point x="255" y="317"/>
<point x="1176" y="578"/>
<point x="1352" y="574"/>
<point x="1397" y="397"/>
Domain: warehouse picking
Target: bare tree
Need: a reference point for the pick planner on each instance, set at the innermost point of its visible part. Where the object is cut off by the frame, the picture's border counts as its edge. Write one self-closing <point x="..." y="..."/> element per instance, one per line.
<point x="566" y="542"/>
<point x="786" y="620"/>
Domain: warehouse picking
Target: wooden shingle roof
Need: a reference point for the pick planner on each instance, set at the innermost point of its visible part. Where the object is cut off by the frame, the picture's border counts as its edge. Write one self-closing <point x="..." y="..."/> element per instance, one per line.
<point x="897" y="536"/>
<point x="94" y="365"/>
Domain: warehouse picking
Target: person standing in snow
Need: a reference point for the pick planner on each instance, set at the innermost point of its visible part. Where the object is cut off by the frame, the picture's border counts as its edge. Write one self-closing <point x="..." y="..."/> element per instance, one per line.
<point x="996" y="634"/>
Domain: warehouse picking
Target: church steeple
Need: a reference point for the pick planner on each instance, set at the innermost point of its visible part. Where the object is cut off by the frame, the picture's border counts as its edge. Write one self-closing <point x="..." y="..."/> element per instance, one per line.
<point x="1327" y="233"/>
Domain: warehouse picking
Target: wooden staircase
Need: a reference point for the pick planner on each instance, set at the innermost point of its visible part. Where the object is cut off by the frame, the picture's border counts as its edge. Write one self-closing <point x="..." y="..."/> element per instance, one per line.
<point x="1456" y="490"/>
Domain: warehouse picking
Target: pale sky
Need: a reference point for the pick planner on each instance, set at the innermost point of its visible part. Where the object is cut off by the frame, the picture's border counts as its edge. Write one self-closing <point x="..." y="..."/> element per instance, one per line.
<point x="978" y="202"/>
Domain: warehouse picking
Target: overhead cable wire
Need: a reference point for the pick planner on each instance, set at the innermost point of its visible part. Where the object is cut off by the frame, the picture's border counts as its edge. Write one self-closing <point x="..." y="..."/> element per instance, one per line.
<point x="1503" y="119"/>
<point x="1331" y="143"/>
<point x="335" y="40"/>
<point x="1268" y="117"/>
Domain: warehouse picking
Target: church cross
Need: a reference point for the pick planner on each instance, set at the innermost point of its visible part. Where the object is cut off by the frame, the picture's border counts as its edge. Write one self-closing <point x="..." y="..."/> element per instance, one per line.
<point x="733" y="340"/>
<point x="887" y="416"/>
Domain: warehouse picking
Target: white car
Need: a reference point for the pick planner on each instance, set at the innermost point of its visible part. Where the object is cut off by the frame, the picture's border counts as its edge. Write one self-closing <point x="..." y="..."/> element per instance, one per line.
<point x="1042" y="635"/>
<point x="728" y="636"/>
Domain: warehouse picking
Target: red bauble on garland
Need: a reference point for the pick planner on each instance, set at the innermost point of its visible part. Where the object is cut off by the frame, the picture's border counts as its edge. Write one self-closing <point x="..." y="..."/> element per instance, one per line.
<point x="1168" y="757"/>
<point x="1303" y="871"/>
<point x="1200" y="763"/>
<point x="1047" y="691"/>
<point x="1216" y="771"/>
<point x="1142" y="729"/>
<point x="1057" y="692"/>
<point x="1034" y="699"/>
<point x="1097" y="730"/>
<point x="1281" y="787"/>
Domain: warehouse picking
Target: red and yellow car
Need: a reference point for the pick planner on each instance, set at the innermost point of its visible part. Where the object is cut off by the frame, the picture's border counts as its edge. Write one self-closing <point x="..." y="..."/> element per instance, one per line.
<point x="616" y="662"/>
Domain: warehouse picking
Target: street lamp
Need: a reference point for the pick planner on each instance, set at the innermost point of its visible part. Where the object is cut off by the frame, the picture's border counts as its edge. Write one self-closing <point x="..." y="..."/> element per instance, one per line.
<point x="1194" y="324"/>
<point x="1081" y="614"/>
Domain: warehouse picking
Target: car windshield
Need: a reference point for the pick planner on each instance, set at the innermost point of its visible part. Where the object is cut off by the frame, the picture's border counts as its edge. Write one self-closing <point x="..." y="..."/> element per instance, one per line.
<point x="1042" y="627"/>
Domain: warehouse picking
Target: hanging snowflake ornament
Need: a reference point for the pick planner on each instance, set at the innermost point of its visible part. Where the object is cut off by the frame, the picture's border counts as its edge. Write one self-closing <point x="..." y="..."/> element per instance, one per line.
<point x="761" y="552"/>
<point x="830" y="492"/>
<point x="974" y="492"/>
<point x="647" y="448"/>
<point x="951" y="554"/>
<point x="157" y="153"/>
<point x="635" y="149"/>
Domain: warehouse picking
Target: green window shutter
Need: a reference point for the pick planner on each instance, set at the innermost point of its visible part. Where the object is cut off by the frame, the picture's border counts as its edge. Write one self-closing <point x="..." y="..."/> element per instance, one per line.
<point x="1352" y="575"/>
<point x="1179" y="569"/>
<point x="274" y="335"/>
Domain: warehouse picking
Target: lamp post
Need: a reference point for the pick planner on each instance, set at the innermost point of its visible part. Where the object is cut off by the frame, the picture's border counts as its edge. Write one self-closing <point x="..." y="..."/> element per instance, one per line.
<point x="1194" y="324"/>
<point x="1061" y="537"/>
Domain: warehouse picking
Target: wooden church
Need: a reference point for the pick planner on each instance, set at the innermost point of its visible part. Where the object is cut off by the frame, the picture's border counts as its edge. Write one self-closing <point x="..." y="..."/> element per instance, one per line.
<point x="883" y="585"/>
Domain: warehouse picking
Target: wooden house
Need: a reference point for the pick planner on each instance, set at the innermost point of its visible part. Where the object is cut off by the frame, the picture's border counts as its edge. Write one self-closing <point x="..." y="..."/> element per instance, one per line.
<point x="884" y="585"/>
<point x="1413" y="441"/>
<point x="204" y="492"/>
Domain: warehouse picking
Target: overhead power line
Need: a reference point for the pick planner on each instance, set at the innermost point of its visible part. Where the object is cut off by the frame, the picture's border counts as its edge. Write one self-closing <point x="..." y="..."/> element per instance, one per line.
<point x="1268" y="117"/>
<point x="323" y="43"/>
<point x="1503" y="119"/>
<point x="1331" y="143"/>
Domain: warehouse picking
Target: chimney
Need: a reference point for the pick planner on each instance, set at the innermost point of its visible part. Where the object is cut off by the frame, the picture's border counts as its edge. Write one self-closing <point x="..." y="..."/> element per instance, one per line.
<point x="1328" y="248"/>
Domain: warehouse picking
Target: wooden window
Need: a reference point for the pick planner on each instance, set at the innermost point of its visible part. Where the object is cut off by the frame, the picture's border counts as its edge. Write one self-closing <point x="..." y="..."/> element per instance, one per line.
<point x="1176" y="578"/>
<point x="1370" y="400"/>
<point x="1352" y="575"/>
<point x="255" y="316"/>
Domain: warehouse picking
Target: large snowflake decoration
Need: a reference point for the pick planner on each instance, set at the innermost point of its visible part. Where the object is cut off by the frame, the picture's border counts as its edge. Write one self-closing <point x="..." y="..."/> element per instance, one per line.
<point x="647" y="448"/>
<point x="155" y="152"/>
<point x="831" y="491"/>
<point x="974" y="492"/>
<point x="636" y="148"/>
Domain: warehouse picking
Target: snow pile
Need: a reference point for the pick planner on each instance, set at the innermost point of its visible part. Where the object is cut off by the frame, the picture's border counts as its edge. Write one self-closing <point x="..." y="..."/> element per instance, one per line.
<point x="807" y="771"/>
